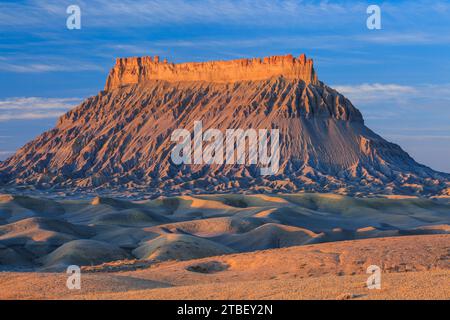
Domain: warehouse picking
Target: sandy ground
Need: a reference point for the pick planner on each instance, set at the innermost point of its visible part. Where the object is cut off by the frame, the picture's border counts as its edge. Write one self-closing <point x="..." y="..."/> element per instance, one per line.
<point x="413" y="267"/>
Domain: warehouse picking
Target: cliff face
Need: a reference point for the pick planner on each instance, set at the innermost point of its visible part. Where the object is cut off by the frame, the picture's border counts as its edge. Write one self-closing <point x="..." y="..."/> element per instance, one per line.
<point x="135" y="70"/>
<point x="121" y="138"/>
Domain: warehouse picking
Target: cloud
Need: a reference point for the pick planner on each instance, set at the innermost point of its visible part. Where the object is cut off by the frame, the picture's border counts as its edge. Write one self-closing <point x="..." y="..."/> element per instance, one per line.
<point x="40" y="67"/>
<point x="36" y="28"/>
<point x="32" y="108"/>
<point x="367" y="92"/>
<point x="378" y="92"/>
<point x="370" y="88"/>
<point x="112" y="13"/>
<point x="394" y="109"/>
<point x="30" y="115"/>
<point x="419" y="137"/>
<point x="116" y="13"/>
<point x="410" y="38"/>
<point x="37" y="103"/>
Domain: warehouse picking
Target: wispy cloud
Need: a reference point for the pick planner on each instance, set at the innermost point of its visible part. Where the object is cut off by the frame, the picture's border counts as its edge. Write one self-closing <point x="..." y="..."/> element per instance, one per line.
<point x="118" y="13"/>
<point x="36" y="27"/>
<point x="377" y="92"/>
<point x="42" y="67"/>
<point x="419" y="137"/>
<point x="374" y="91"/>
<point x="30" y="115"/>
<point x="32" y="108"/>
<point x="37" y="103"/>
<point x="398" y="111"/>
<point x="113" y="13"/>
<point x="410" y="38"/>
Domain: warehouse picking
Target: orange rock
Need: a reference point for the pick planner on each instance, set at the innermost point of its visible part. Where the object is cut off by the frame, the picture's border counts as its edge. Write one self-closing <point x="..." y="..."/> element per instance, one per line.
<point x="138" y="69"/>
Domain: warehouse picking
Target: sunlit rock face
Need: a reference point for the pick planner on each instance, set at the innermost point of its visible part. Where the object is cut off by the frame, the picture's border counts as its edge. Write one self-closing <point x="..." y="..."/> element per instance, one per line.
<point x="135" y="70"/>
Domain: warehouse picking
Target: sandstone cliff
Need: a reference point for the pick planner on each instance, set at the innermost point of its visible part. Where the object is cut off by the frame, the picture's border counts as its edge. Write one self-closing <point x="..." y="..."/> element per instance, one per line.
<point x="137" y="70"/>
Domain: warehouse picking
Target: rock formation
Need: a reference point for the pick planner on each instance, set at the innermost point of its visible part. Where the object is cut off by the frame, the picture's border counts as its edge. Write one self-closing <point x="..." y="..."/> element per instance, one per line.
<point x="135" y="70"/>
<point x="120" y="139"/>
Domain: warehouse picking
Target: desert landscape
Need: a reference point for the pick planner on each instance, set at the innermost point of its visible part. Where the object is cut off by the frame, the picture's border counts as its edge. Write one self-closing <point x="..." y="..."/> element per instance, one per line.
<point x="101" y="191"/>
<point x="224" y="150"/>
<point x="293" y="246"/>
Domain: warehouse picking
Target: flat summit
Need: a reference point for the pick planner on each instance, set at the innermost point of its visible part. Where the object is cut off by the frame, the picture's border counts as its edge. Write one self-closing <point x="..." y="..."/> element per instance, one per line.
<point x="120" y="138"/>
<point x="135" y="70"/>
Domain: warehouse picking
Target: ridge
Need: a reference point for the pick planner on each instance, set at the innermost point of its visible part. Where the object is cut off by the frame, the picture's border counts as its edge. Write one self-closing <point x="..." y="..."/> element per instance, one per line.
<point x="138" y="69"/>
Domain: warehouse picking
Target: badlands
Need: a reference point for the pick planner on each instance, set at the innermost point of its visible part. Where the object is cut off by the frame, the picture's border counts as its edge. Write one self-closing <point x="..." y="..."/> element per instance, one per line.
<point x="300" y="246"/>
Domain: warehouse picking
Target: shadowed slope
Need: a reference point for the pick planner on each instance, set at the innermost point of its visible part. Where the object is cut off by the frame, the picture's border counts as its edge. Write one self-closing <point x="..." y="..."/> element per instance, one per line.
<point x="82" y="253"/>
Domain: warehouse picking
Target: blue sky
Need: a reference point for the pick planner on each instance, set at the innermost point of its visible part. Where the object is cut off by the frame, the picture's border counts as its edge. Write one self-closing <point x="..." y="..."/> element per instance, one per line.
<point x="399" y="76"/>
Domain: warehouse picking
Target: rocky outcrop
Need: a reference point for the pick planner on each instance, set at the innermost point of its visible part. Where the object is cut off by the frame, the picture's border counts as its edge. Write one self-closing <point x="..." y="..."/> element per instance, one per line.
<point x="120" y="138"/>
<point x="137" y="70"/>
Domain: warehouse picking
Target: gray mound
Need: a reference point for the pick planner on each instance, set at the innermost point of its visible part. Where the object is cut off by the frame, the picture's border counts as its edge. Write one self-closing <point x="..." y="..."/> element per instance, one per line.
<point x="41" y="223"/>
<point x="131" y="217"/>
<point x="124" y="237"/>
<point x="39" y="236"/>
<point x="212" y="226"/>
<point x="83" y="253"/>
<point x="179" y="247"/>
<point x="9" y="257"/>
<point x="268" y="236"/>
<point x="43" y="206"/>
